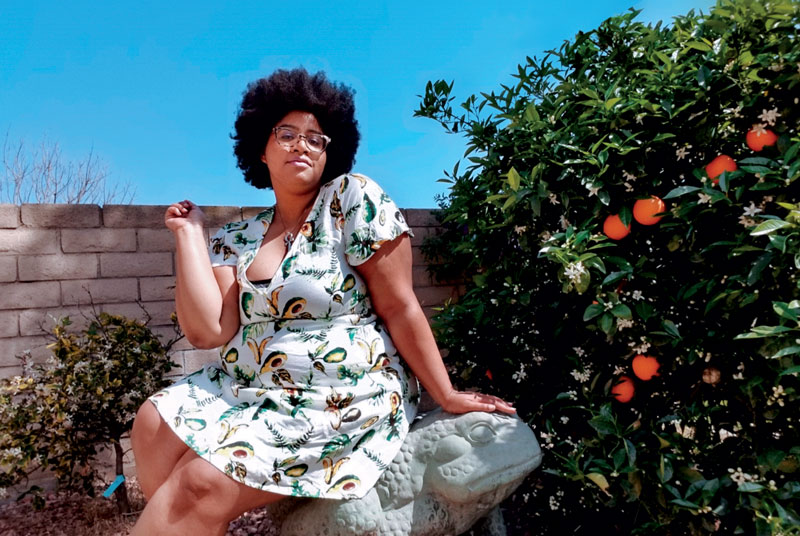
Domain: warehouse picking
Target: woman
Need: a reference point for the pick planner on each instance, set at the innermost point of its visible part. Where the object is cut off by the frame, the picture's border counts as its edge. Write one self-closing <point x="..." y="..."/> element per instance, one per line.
<point x="310" y="396"/>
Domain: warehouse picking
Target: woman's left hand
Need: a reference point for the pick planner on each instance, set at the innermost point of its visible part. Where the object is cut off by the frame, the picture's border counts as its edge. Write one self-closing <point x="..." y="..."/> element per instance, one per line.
<point x="466" y="401"/>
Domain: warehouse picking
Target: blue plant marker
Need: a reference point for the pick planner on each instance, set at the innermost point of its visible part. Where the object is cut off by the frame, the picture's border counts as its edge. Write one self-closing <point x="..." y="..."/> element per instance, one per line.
<point x="114" y="485"/>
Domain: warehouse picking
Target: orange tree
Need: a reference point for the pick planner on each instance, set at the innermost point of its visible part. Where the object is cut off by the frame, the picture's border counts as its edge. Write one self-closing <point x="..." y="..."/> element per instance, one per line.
<point x="699" y="435"/>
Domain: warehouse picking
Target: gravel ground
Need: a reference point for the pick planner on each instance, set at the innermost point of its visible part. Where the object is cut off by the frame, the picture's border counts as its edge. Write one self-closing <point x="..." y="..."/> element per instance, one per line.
<point x="77" y="515"/>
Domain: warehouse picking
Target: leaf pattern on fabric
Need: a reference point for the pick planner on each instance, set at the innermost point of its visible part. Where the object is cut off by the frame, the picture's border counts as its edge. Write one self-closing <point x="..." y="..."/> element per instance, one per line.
<point x="335" y="446"/>
<point x="234" y="412"/>
<point x="369" y="209"/>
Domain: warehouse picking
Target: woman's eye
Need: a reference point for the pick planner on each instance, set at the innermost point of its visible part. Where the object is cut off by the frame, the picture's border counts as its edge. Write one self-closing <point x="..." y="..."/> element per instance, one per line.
<point x="315" y="142"/>
<point x="286" y="136"/>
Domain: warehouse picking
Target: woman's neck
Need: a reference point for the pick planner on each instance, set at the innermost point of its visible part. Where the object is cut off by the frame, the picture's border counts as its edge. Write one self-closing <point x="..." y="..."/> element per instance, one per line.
<point x="294" y="208"/>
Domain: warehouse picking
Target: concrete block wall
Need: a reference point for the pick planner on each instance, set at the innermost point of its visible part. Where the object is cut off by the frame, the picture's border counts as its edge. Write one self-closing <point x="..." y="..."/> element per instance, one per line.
<point x="58" y="260"/>
<point x="63" y="260"/>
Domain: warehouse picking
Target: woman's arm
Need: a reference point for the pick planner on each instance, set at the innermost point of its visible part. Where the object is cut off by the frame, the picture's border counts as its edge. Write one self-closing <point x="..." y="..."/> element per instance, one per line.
<point x="388" y="277"/>
<point x="206" y="298"/>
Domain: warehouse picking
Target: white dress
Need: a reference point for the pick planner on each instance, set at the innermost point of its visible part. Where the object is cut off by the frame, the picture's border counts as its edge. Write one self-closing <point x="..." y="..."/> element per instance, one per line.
<point x="310" y="397"/>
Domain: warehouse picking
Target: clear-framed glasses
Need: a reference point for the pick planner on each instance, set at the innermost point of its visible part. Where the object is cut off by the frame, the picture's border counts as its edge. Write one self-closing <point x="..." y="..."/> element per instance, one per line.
<point x="287" y="137"/>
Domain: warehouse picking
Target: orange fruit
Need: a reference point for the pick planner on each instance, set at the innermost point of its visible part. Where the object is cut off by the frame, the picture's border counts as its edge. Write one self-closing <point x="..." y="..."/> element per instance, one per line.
<point x="758" y="138"/>
<point x="623" y="389"/>
<point x="719" y="165"/>
<point x="645" y="367"/>
<point x="614" y="229"/>
<point x="645" y="210"/>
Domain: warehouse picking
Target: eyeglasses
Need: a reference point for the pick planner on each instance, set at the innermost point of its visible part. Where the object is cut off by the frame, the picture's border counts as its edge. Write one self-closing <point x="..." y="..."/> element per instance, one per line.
<point x="287" y="137"/>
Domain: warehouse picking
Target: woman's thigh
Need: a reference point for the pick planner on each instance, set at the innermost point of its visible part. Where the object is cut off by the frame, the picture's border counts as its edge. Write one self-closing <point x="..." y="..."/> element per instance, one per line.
<point x="156" y="448"/>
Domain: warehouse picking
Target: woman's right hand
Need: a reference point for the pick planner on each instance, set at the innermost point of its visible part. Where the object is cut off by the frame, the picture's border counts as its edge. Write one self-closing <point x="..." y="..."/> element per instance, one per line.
<point x="182" y="214"/>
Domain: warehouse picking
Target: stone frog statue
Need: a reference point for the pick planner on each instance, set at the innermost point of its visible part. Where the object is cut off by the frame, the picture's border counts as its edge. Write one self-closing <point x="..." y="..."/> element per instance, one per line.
<point x="451" y="471"/>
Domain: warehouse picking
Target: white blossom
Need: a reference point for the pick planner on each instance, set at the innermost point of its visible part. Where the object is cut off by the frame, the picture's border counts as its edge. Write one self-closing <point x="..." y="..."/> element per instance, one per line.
<point x="583" y="376"/>
<point x="733" y="111"/>
<point x="752" y="210"/>
<point x="520" y="375"/>
<point x="574" y="271"/>
<point x="703" y="198"/>
<point x="747" y="222"/>
<point x="682" y="152"/>
<point x="623" y="323"/>
<point x="740" y="477"/>
<point x="769" y="116"/>
<point x="554" y="199"/>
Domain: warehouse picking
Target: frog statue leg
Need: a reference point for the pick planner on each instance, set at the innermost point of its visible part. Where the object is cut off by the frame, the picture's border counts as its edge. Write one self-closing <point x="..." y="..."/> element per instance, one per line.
<point x="494" y="524"/>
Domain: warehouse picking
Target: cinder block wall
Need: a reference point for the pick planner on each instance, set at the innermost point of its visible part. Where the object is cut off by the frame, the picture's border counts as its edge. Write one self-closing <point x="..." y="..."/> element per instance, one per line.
<point x="62" y="260"/>
<point x="58" y="260"/>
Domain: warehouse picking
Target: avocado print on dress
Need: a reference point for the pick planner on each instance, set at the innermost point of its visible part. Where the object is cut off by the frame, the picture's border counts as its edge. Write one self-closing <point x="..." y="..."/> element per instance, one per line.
<point x="309" y="398"/>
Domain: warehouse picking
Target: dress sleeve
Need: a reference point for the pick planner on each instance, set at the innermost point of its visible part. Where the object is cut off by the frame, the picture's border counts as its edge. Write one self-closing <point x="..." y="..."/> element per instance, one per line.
<point x="371" y="218"/>
<point x="221" y="248"/>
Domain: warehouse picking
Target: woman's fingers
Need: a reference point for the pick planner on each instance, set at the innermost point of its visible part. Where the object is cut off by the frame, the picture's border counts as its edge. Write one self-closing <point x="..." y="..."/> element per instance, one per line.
<point x="463" y="402"/>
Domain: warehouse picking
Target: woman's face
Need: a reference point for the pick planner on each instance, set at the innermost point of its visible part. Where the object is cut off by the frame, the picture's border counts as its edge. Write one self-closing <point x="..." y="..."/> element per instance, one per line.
<point x="295" y="169"/>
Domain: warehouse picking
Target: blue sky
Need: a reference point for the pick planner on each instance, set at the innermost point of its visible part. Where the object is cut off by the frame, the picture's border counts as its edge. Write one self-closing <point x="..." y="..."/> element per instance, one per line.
<point x="152" y="87"/>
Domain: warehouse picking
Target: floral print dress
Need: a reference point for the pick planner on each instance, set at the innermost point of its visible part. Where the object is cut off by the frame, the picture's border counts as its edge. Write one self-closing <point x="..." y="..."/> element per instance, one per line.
<point x="310" y="397"/>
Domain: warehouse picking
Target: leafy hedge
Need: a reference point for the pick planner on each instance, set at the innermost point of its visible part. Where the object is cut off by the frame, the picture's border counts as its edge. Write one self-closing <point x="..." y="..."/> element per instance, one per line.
<point x="57" y="415"/>
<point x="555" y="312"/>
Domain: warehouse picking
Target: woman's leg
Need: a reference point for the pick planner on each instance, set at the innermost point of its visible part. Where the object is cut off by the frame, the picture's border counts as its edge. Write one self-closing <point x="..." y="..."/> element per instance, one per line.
<point x="156" y="449"/>
<point x="197" y="500"/>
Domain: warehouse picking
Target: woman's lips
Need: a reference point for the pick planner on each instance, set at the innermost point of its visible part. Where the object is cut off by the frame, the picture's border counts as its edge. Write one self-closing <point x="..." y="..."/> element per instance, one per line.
<point x="299" y="162"/>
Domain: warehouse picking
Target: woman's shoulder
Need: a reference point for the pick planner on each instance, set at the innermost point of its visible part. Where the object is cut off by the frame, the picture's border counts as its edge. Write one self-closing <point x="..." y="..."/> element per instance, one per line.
<point x="238" y="225"/>
<point x="240" y="232"/>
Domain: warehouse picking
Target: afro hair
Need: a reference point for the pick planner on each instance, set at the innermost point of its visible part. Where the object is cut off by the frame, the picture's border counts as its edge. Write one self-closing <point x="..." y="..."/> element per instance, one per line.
<point x="268" y="100"/>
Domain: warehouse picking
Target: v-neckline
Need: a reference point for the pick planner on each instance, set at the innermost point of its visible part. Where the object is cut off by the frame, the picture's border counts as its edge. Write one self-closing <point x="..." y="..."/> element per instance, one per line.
<point x="279" y="270"/>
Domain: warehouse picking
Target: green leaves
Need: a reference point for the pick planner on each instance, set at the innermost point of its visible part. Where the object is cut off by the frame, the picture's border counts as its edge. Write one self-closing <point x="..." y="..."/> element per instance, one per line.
<point x="769" y="226"/>
<point x="81" y="400"/>
<point x="619" y="114"/>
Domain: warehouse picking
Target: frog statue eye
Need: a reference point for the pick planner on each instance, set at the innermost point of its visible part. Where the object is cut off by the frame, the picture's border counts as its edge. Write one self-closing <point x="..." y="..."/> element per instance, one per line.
<point x="481" y="433"/>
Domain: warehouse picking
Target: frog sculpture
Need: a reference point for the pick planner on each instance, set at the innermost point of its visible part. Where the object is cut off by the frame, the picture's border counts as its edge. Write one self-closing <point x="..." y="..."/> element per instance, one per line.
<point x="451" y="471"/>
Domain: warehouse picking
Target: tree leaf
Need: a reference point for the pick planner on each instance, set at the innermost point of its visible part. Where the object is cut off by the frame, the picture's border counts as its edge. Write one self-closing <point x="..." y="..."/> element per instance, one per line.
<point x="749" y="487"/>
<point x="785" y="311"/>
<point x="601" y="482"/>
<point x="681" y="190"/>
<point x="592" y="311"/>
<point x="769" y="226"/>
<point x="622" y="311"/>
<point x="513" y="179"/>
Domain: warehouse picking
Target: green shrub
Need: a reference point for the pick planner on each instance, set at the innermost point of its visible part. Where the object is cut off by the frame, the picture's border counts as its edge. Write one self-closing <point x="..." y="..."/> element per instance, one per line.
<point x="57" y="415"/>
<point x="554" y="311"/>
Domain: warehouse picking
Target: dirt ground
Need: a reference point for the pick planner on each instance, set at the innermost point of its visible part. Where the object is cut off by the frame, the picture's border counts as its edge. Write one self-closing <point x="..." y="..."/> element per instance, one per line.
<point x="77" y="515"/>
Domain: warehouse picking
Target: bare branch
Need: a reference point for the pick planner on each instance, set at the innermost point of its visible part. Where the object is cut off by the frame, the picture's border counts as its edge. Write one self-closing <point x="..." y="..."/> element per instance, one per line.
<point x="44" y="175"/>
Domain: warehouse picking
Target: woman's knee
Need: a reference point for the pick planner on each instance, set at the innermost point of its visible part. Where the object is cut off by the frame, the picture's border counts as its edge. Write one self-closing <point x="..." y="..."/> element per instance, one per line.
<point x="145" y="424"/>
<point x="210" y="492"/>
